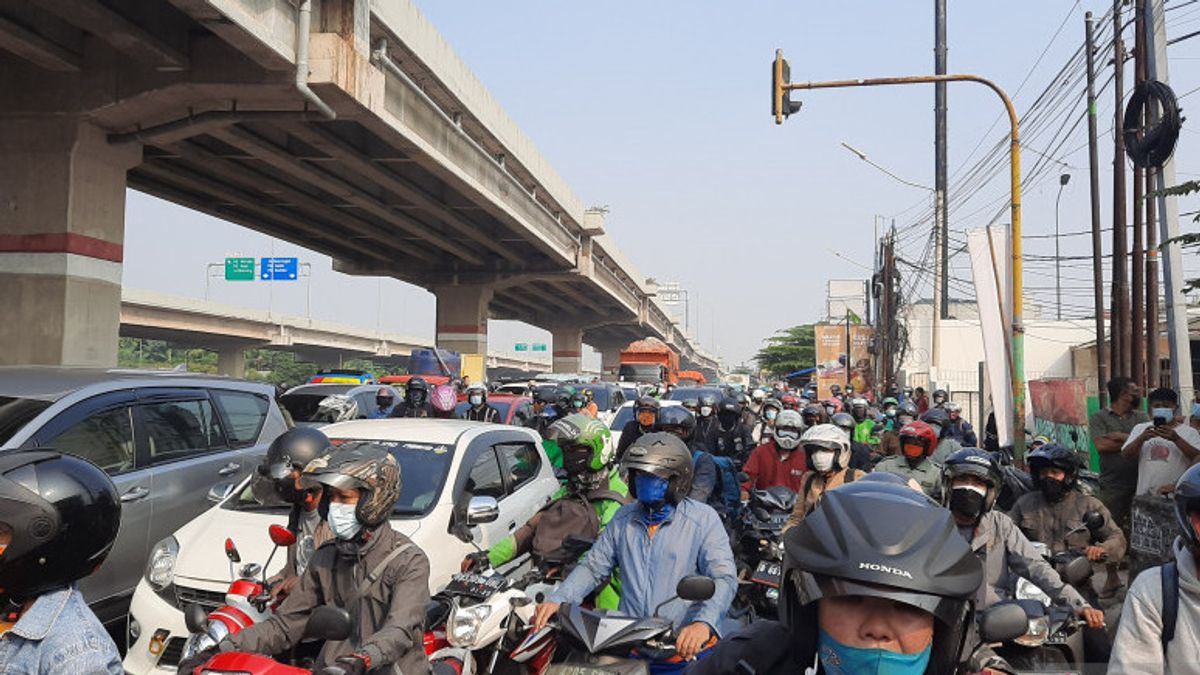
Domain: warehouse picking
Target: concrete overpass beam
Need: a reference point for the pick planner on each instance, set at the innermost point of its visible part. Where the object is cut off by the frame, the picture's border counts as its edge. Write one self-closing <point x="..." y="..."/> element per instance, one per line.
<point x="231" y="361"/>
<point x="62" y="229"/>
<point x="610" y="359"/>
<point x="568" y="349"/>
<point x="462" y="315"/>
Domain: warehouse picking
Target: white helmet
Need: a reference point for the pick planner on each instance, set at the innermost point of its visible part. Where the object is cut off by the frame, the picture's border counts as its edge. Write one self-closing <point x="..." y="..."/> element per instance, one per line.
<point x="337" y="408"/>
<point x="758" y="395"/>
<point x="828" y="437"/>
<point x="788" y="427"/>
<point x="857" y="402"/>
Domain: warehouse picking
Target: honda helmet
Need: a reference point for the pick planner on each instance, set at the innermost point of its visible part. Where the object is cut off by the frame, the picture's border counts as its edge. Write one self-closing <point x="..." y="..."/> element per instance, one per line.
<point x="477" y="389"/>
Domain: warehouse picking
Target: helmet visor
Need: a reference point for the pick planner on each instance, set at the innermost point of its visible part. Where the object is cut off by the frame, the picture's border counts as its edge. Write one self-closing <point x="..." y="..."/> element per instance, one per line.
<point x="812" y="587"/>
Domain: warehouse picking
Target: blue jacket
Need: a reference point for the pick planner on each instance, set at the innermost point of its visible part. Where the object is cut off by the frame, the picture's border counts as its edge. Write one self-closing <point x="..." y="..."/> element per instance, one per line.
<point x="691" y="541"/>
<point x="58" y="634"/>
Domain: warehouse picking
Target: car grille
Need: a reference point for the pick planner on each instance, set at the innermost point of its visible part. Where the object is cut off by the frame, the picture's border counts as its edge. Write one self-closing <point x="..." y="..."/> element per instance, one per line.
<point x="172" y="651"/>
<point x="209" y="600"/>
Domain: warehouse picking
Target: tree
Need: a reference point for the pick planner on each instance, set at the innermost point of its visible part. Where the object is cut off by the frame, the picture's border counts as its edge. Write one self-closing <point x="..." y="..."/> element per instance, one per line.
<point x="788" y="350"/>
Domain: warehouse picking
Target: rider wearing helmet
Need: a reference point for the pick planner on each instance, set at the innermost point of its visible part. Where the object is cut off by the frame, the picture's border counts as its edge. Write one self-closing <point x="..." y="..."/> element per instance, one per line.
<point x="707" y="427"/>
<point x="778" y="461"/>
<point x="970" y="484"/>
<point x="543" y="408"/>
<point x="890" y="405"/>
<point x="889" y="442"/>
<point x="442" y="402"/>
<point x="958" y="428"/>
<point x="692" y="405"/>
<point x="416" y="399"/>
<point x="385" y="400"/>
<point x="589" y="403"/>
<point x="591" y="494"/>
<point x="336" y="408"/>
<point x="1144" y="642"/>
<point x="827" y="455"/>
<point x="813" y="414"/>
<point x="860" y="453"/>
<point x="680" y="423"/>
<point x="645" y="414"/>
<point x="661" y="538"/>
<point x="939" y="420"/>
<point x="864" y="426"/>
<point x="734" y="438"/>
<point x="278" y="480"/>
<point x="58" y="521"/>
<point x="768" y="413"/>
<point x="835" y="391"/>
<point x="917" y="441"/>
<point x="757" y="398"/>
<point x="790" y="401"/>
<point x="478" y="409"/>
<point x="940" y="397"/>
<point x="368" y="568"/>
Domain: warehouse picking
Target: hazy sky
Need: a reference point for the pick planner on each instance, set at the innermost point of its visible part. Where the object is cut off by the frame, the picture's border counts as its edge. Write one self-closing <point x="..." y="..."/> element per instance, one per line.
<point x="661" y="112"/>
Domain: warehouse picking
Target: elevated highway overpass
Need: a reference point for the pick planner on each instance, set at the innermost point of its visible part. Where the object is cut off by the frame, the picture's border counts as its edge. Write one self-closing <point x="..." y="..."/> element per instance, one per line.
<point x="348" y="127"/>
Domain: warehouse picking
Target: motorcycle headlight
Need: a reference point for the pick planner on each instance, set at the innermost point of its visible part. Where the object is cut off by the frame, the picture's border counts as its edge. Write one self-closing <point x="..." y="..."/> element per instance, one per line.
<point x="1039" y="630"/>
<point x="464" y="624"/>
<point x="160" y="570"/>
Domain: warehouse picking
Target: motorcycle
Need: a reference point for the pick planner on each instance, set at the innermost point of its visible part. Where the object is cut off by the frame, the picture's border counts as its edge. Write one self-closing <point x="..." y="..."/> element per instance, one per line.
<point x="760" y="549"/>
<point x="325" y="623"/>
<point x="602" y="642"/>
<point x="1017" y="482"/>
<point x="247" y="600"/>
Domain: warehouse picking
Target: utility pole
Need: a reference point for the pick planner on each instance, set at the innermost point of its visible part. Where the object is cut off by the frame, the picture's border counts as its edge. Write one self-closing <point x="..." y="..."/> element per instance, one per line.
<point x="1062" y="183"/>
<point x="1168" y="213"/>
<point x="941" y="202"/>
<point x="1120" y="292"/>
<point x="1152" y="365"/>
<point x="1094" y="176"/>
<point x="1137" y="317"/>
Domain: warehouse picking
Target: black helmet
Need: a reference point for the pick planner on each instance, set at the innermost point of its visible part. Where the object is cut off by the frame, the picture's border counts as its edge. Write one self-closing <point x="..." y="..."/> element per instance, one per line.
<point x="843" y="420"/>
<point x="562" y="398"/>
<point x="814" y="411"/>
<point x="62" y="513"/>
<point x="908" y="408"/>
<point x="665" y="456"/>
<point x="940" y="395"/>
<point x="1053" y="455"/>
<point x="647" y="403"/>
<point x="730" y="410"/>
<point x="544" y="393"/>
<point x="1187" y="500"/>
<point x="708" y="400"/>
<point x="678" y="418"/>
<point x="939" y="417"/>
<point x="293" y="449"/>
<point x="416" y="391"/>
<point x="835" y="389"/>
<point x="876" y="539"/>
<point x="972" y="462"/>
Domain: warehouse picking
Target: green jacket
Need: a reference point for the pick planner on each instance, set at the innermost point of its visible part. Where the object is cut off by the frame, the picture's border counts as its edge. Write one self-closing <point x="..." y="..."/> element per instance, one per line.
<point x="864" y="432"/>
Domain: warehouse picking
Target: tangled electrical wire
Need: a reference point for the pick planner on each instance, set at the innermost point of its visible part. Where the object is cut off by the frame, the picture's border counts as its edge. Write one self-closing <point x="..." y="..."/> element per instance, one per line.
<point x="1152" y="145"/>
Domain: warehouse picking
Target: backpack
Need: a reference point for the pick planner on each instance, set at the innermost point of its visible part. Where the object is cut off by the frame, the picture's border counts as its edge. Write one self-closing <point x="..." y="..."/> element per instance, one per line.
<point x="1170" y="603"/>
<point x="570" y="514"/>
<point x="728" y="490"/>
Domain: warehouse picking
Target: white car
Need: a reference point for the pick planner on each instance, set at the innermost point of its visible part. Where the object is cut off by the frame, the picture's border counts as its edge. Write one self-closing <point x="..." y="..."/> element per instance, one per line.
<point x="625" y="415"/>
<point x="441" y="461"/>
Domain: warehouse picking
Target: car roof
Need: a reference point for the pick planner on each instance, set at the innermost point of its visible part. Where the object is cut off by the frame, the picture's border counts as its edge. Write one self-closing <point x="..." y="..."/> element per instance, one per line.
<point x="421" y="430"/>
<point x="51" y="383"/>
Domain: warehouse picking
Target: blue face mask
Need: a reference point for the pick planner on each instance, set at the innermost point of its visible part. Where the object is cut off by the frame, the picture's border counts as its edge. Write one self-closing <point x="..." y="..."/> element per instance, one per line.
<point x="343" y="521"/>
<point x="1162" y="413"/>
<point x="840" y="659"/>
<point x="652" y="494"/>
<point x="1196" y="409"/>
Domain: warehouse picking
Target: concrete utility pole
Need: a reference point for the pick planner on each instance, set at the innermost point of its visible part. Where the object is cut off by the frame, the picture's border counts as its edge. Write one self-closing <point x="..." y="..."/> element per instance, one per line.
<point x="1094" y="176"/>
<point x="941" y="202"/>
<point x="1120" y="291"/>
<point x="1168" y="211"/>
<point x="1137" y="271"/>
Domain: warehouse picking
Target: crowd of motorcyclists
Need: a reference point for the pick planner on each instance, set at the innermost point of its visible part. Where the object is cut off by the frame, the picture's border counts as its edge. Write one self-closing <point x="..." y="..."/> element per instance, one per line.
<point x="893" y="556"/>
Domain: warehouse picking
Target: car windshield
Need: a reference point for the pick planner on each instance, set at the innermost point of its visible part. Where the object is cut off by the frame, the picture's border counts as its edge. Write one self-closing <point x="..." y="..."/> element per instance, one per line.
<point x="500" y="406"/>
<point x="15" y="413"/>
<point x="684" y="393"/>
<point x="423" y="469"/>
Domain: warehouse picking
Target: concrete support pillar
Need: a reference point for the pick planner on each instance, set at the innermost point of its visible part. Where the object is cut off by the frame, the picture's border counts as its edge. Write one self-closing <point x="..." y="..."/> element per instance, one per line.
<point x="462" y="316"/>
<point x="62" y="230"/>
<point x="231" y="361"/>
<point x="610" y="359"/>
<point x="568" y="349"/>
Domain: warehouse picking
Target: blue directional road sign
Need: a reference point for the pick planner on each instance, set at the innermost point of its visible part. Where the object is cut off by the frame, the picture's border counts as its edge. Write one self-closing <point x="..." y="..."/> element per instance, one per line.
<point x="279" y="269"/>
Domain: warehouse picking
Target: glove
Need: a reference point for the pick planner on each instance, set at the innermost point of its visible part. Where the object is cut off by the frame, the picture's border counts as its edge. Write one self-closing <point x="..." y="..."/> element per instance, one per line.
<point x="354" y="664"/>
<point x="193" y="662"/>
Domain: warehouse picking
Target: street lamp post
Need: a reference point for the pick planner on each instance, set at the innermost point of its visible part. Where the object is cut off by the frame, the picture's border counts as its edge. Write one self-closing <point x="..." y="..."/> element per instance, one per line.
<point x="782" y="106"/>
<point x="1062" y="183"/>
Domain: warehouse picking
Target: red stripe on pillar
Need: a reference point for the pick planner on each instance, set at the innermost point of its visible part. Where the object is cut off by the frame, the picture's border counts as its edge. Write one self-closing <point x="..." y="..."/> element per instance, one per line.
<point x="62" y="242"/>
<point x="567" y="354"/>
<point x="464" y="328"/>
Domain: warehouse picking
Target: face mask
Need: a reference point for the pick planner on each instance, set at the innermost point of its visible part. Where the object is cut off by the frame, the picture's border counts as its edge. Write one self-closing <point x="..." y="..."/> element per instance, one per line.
<point x="890" y="412"/>
<point x="1162" y="413"/>
<point x="342" y="520"/>
<point x="476" y="400"/>
<point x="1053" y="490"/>
<point x="912" y="451"/>
<point x="646" y="419"/>
<point x="822" y="461"/>
<point x="416" y="397"/>
<point x="840" y="659"/>
<point x="829" y="410"/>
<point x="772" y="414"/>
<point x="383" y="402"/>
<point x="705" y="410"/>
<point x="967" y="501"/>
<point x="577" y="404"/>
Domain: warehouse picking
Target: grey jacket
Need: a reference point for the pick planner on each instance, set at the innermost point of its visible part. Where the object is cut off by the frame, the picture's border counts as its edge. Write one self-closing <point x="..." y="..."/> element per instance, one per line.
<point x="1007" y="554"/>
<point x="1043" y="521"/>
<point x="928" y="473"/>
<point x="1137" y="648"/>
<point x="388" y="613"/>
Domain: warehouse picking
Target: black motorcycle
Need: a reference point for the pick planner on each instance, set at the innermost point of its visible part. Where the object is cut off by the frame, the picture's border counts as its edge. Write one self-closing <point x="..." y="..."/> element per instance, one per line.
<point x="759" y="549"/>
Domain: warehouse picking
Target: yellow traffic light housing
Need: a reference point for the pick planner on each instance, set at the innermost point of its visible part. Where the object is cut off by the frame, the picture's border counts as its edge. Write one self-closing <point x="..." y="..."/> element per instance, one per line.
<point x="781" y="95"/>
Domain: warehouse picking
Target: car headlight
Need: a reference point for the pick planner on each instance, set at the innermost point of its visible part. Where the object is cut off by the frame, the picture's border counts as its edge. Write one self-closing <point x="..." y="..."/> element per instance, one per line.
<point x="160" y="570"/>
<point x="1039" y="630"/>
<point x="464" y="623"/>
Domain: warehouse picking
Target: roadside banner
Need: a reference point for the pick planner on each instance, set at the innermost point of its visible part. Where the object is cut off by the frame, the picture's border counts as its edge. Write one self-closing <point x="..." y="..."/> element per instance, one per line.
<point x="831" y="357"/>
<point x="1060" y="413"/>
<point x="862" y="370"/>
<point x="989" y="267"/>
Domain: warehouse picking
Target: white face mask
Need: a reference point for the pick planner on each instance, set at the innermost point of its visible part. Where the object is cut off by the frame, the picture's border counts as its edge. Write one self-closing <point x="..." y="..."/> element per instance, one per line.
<point x="476" y="399"/>
<point x="822" y="460"/>
<point x="343" y="521"/>
<point x="705" y="410"/>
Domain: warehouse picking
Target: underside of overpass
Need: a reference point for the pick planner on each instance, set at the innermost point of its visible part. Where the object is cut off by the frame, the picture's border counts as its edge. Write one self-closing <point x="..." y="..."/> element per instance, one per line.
<point x="362" y="138"/>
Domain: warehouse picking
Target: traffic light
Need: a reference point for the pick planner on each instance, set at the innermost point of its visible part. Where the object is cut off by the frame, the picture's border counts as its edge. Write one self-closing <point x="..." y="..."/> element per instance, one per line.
<point x="781" y="97"/>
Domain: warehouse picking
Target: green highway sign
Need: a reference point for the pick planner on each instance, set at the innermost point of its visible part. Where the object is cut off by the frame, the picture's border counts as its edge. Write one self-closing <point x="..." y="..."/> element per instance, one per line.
<point x="521" y="347"/>
<point x="239" y="269"/>
<point x="539" y="347"/>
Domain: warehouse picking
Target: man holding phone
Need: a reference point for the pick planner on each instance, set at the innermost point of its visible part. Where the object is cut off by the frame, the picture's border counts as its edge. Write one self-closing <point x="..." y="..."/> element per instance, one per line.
<point x="1164" y="447"/>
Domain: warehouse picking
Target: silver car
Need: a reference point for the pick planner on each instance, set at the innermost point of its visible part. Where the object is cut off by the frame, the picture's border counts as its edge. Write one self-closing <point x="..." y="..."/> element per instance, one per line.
<point x="164" y="438"/>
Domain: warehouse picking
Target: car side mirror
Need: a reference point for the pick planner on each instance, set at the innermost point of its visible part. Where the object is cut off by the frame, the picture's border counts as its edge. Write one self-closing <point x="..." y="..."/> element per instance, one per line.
<point x="1003" y="622"/>
<point x="328" y="623"/>
<point x="219" y="492"/>
<point x="195" y="618"/>
<point x="696" y="588"/>
<point x="1076" y="571"/>
<point x="482" y="510"/>
<point x="1094" y="521"/>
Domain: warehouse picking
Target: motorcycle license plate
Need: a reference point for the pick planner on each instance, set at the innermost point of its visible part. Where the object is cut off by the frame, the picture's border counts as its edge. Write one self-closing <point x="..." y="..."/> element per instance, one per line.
<point x="767" y="573"/>
<point x="475" y="586"/>
<point x="577" y="669"/>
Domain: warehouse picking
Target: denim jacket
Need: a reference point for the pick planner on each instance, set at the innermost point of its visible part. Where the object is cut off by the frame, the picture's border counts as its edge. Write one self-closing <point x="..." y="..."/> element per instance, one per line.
<point x="691" y="541"/>
<point x="58" y="634"/>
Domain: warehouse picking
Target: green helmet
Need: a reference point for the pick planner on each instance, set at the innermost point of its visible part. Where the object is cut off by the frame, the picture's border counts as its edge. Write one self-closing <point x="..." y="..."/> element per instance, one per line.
<point x="890" y="401"/>
<point x="579" y="431"/>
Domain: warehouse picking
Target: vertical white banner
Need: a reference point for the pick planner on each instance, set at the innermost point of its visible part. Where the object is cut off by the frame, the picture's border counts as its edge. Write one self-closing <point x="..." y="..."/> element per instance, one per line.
<point x="989" y="267"/>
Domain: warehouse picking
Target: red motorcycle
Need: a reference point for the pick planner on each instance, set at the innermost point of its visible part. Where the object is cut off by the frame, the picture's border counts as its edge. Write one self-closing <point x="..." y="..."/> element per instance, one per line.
<point x="325" y="623"/>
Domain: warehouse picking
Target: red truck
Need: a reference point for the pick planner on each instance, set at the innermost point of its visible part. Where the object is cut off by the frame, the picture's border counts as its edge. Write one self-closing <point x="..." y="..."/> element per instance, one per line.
<point x="649" y="361"/>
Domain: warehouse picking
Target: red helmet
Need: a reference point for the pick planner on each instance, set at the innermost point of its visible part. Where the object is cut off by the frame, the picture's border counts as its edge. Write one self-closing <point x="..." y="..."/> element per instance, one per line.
<point x="918" y="434"/>
<point x="790" y="402"/>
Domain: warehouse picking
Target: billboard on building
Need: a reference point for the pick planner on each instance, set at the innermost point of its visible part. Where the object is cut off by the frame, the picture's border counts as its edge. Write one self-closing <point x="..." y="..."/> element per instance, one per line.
<point x="846" y="295"/>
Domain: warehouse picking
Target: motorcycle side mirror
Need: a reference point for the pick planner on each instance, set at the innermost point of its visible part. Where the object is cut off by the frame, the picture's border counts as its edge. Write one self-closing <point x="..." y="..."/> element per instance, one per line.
<point x="696" y="588"/>
<point x="194" y="618"/>
<point x="231" y="551"/>
<point x="1094" y="521"/>
<point x="1076" y="571"/>
<point x="1003" y="622"/>
<point x="328" y="623"/>
<point x="281" y="536"/>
